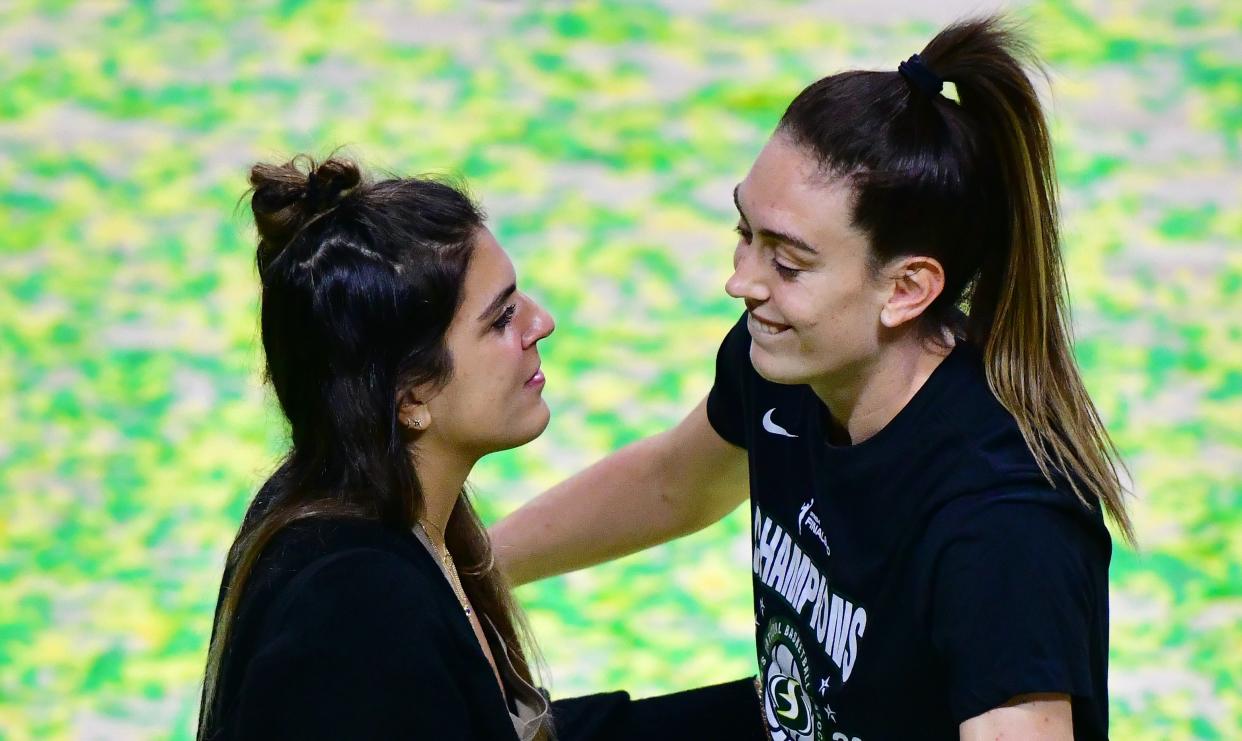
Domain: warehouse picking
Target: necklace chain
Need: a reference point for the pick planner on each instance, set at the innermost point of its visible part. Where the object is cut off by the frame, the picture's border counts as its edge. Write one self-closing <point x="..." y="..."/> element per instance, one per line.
<point x="450" y="567"/>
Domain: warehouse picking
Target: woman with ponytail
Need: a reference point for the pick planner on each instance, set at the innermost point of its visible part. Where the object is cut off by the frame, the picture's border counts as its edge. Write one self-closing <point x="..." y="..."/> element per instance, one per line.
<point x="928" y="478"/>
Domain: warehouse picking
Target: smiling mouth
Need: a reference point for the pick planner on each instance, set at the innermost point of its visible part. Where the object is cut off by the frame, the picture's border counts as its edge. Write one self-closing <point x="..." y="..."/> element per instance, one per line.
<point x="761" y="326"/>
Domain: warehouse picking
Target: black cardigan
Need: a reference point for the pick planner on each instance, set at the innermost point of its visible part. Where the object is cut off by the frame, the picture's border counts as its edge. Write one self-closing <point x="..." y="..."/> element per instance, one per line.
<point x="348" y="629"/>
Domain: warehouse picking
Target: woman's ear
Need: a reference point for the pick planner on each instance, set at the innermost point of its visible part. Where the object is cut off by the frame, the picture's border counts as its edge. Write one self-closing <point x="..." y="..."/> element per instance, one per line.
<point x="916" y="282"/>
<point x="413" y="412"/>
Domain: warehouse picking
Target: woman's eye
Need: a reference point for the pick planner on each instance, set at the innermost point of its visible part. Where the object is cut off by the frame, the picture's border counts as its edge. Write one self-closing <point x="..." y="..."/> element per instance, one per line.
<point x="743" y="232"/>
<point x="505" y="317"/>
<point x="784" y="271"/>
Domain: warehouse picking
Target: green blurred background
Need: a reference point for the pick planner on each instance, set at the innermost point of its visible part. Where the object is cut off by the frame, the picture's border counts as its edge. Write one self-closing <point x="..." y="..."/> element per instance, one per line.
<point x="604" y="141"/>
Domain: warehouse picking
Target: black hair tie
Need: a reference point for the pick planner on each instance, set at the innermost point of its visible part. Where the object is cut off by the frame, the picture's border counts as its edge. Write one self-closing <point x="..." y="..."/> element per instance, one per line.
<point x="314" y="192"/>
<point x="921" y="76"/>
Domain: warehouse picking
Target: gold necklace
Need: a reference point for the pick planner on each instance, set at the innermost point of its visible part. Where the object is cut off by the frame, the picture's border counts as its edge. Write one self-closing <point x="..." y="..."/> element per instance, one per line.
<point x="449" y="567"/>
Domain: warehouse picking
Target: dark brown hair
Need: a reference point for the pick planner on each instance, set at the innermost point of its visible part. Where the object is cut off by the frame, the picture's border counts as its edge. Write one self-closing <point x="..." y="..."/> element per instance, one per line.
<point x="971" y="183"/>
<point x="360" y="281"/>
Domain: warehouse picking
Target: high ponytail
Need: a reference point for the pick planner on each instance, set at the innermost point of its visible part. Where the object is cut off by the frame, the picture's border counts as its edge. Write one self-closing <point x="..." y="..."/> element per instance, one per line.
<point x="971" y="183"/>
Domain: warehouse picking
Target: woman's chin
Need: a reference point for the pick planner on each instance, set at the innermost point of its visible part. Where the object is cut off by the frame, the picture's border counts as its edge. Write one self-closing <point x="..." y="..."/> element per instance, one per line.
<point x="775" y="368"/>
<point x="542" y="416"/>
<point x="531" y="427"/>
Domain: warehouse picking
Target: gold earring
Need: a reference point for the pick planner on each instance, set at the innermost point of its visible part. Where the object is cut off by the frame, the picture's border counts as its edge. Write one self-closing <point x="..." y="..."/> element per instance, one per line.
<point x="417" y="423"/>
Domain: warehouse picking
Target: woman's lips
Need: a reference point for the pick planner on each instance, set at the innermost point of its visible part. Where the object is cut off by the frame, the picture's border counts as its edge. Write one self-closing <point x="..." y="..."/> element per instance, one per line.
<point x="764" y="327"/>
<point x="536" y="380"/>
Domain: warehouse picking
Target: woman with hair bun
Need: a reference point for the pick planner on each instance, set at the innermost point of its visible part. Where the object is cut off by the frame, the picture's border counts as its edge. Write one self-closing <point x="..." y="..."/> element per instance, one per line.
<point x="360" y="599"/>
<point x="927" y="474"/>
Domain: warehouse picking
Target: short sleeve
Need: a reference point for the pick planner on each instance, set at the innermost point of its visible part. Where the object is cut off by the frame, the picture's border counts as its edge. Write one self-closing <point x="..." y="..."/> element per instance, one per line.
<point x="724" y="401"/>
<point x="353" y="656"/>
<point x="1019" y="595"/>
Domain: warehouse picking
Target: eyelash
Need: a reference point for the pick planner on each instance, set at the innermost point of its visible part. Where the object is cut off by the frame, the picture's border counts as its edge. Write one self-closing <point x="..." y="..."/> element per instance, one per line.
<point x="784" y="271"/>
<point x="505" y="317"/>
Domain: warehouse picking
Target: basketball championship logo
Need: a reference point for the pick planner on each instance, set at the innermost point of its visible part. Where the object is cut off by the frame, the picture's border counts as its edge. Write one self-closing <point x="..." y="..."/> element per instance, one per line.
<point x="786" y="672"/>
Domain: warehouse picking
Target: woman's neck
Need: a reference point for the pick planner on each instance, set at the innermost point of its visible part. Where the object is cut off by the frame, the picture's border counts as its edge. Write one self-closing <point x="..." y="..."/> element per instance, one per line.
<point x="442" y="474"/>
<point x="864" y="398"/>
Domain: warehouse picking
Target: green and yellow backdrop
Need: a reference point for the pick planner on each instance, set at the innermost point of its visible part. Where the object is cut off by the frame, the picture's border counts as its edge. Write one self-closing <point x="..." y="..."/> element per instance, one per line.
<point x="604" y="140"/>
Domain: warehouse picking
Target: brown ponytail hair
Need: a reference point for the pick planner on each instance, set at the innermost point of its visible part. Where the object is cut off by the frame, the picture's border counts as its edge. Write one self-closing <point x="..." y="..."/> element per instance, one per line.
<point x="360" y="282"/>
<point x="972" y="184"/>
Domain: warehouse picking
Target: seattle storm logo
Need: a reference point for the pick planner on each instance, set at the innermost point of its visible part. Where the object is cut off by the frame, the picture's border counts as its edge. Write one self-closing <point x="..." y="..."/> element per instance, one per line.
<point x="786" y="704"/>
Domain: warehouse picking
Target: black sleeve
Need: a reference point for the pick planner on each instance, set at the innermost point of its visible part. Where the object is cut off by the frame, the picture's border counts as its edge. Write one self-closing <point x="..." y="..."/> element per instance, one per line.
<point x="723" y="712"/>
<point x="1015" y="598"/>
<point x="724" y="401"/>
<point x="353" y="656"/>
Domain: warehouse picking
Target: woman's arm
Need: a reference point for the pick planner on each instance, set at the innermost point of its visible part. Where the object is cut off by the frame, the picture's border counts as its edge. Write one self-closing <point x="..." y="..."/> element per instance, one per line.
<point x="647" y="493"/>
<point x="1045" y="717"/>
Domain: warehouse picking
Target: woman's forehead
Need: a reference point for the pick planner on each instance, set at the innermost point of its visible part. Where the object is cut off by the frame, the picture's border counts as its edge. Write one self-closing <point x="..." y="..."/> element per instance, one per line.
<point x="490" y="271"/>
<point x="786" y="191"/>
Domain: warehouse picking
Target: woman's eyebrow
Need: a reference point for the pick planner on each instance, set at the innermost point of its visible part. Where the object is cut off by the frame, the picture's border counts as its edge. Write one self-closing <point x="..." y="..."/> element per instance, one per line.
<point x="771" y="234"/>
<point x="737" y="202"/>
<point x="496" y="302"/>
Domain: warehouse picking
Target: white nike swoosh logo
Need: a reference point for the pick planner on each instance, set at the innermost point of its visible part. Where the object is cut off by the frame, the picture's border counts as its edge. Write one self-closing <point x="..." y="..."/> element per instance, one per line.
<point x="772" y="427"/>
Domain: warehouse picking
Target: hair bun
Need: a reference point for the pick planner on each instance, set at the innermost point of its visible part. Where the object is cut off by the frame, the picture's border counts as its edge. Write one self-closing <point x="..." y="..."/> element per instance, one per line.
<point x="328" y="183"/>
<point x="287" y="197"/>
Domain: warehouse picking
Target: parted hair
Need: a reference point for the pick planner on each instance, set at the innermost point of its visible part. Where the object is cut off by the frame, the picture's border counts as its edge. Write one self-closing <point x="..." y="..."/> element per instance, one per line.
<point x="359" y="283"/>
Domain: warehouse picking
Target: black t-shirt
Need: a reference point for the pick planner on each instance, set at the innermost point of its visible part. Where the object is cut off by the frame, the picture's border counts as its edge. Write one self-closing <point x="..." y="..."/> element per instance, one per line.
<point x="919" y="578"/>
<point x="347" y="629"/>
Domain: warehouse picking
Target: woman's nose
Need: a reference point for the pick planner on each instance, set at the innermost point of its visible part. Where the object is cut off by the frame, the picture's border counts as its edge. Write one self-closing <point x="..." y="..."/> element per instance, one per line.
<point x="743" y="283"/>
<point x="542" y="326"/>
